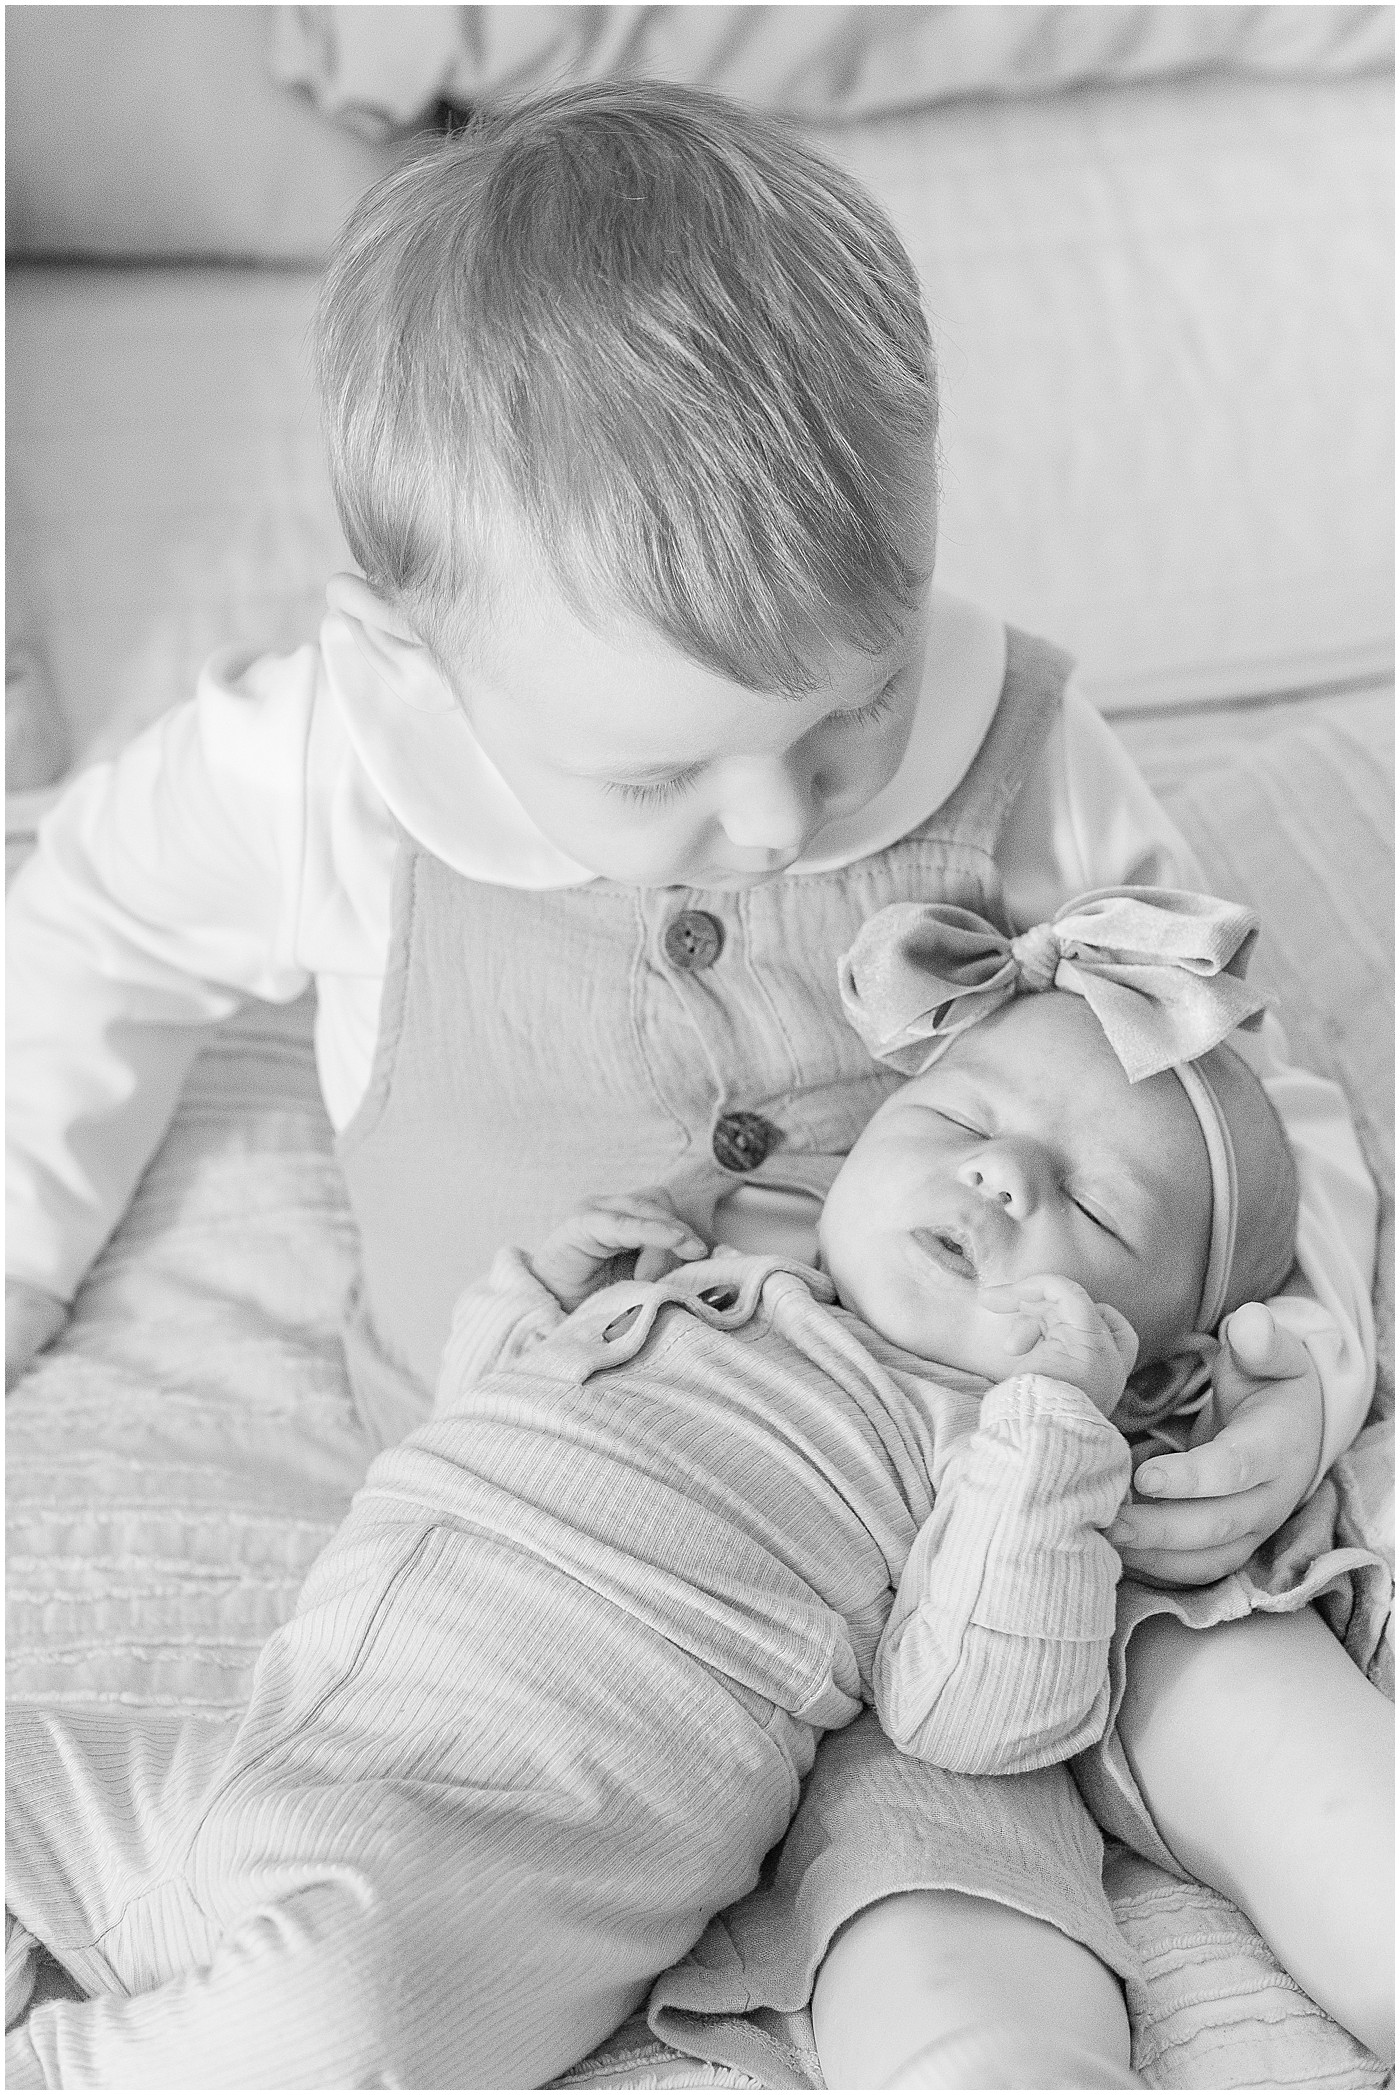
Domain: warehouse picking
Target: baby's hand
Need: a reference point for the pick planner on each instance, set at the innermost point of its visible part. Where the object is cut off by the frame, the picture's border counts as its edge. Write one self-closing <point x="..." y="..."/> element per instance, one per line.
<point x="571" y="1262"/>
<point x="1053" y="1328"/>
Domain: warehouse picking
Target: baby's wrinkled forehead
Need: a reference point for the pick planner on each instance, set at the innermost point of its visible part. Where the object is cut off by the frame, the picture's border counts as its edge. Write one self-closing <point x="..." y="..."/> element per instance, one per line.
<point x="1047" y="1042"/>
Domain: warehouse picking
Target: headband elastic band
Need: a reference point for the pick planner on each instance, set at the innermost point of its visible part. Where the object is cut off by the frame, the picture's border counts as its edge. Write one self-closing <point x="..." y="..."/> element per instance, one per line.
<point x="1225" y="1197"/>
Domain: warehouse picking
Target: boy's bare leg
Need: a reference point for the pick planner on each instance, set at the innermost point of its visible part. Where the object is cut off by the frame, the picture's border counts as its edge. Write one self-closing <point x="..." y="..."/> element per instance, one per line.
<point x="937" y="1989"/>
<point x="1267" y="1761"/>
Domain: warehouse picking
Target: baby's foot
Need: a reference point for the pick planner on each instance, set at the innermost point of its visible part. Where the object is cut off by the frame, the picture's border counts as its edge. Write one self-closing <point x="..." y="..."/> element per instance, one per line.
<point x="1054" y="1328"/>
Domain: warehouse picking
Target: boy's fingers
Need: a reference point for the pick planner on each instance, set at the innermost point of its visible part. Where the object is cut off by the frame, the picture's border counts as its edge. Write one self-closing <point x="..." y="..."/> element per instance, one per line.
<point x="609" y="1233"/>
<point x="1189" y="1567"/>
<point x="654" y="1263"/>
<point x="634" y="1204"/>
<point x="1185" y="1529"/>
<point x="1261" y="1348"/>
<point x="1234" y="1461"/>
<point x="675" y="1236"/>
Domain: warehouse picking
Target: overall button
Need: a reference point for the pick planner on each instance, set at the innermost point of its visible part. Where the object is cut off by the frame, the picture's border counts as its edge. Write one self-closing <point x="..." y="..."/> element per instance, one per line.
<point x="692" y="940"/>
<point x="742" y="1140"/>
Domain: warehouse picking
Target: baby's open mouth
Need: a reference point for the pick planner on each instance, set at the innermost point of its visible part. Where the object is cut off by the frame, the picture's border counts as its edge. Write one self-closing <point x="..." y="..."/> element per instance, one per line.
<point x="948" y="1247"/>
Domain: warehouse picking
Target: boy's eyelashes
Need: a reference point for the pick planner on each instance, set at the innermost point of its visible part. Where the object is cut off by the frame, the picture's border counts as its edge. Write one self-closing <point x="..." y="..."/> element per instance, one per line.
<point x="879" y="706"/>
<point x="656" y="792"/>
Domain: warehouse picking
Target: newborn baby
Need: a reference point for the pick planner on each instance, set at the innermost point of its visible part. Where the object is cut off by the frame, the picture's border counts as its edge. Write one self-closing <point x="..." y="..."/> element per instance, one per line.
<point x="549" y="1695"/>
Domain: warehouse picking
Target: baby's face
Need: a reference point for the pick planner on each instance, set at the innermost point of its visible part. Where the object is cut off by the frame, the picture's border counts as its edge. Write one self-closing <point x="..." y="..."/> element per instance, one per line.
<point x="651" y="770"/>
<point x="1024" y="1150"/>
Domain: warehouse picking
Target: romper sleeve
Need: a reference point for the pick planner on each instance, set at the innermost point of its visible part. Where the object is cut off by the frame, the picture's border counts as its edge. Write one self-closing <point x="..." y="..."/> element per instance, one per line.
<point x="164" y="887"/>
<point x="289" y="1999"/>
<point x="1086" y="818"/>
<point x="995" y="1656"/>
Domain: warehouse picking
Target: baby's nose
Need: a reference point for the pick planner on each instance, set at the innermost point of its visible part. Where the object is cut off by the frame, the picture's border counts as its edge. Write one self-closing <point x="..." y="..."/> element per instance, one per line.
<point x="999" y="1175"/>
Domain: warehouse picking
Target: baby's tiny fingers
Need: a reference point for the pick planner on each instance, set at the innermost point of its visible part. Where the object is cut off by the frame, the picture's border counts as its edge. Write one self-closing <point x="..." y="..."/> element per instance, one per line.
<point x="1024" y="1334"/>
<point x="1012" y="1294"/>
<point x="1125" y="1339"/>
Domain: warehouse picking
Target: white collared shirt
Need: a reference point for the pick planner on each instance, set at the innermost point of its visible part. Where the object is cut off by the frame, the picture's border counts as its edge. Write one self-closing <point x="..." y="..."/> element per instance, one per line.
<point x="244" y="845"/>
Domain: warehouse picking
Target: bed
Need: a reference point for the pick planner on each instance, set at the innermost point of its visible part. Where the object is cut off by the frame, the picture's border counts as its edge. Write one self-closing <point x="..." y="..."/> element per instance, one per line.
<point x="1161" y="292"/>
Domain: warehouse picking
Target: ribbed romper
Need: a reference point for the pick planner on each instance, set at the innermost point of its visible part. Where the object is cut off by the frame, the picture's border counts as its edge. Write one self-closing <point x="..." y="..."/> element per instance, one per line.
<point x="536" y="1047"/>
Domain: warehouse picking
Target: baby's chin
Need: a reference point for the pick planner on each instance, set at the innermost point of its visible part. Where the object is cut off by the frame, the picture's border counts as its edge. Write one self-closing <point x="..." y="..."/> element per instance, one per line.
<point x="951" y="1335"/>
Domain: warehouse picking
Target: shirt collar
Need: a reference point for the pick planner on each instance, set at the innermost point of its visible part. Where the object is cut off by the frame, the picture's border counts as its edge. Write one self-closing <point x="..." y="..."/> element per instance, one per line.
<point x="439" y="784"/>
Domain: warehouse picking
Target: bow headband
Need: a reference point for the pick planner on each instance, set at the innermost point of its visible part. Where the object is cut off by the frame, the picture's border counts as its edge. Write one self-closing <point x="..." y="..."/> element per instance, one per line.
<point x="1161" y="970"/>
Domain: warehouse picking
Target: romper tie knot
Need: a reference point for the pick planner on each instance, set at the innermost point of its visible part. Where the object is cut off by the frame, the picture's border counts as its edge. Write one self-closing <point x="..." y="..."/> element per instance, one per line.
<point x="1037" y="954"/>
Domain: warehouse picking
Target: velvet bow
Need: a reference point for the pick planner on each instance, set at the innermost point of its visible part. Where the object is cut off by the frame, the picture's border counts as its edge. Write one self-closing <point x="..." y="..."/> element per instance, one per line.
<point x="1161" y="969"/>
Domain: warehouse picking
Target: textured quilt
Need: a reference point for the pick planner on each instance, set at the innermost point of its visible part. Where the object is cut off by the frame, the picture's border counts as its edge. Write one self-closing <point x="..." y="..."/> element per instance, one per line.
<point x="176" y="1464"/>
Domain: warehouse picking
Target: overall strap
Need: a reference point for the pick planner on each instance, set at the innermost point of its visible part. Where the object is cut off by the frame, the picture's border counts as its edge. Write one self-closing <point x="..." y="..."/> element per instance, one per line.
<point x="975" y="811"/>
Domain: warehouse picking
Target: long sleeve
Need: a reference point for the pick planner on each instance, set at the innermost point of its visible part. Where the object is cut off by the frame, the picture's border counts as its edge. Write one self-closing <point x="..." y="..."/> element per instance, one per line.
<point x="1087" y="819"/>
<point x="164" y="888"/>
<point x="995" y="1656"/>
<point x="495" y="1321"/>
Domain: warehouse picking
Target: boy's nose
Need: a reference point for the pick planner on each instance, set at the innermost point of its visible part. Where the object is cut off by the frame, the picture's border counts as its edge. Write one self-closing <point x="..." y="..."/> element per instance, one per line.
<point x="769" y="808"/>
<point x="1005" y="1175"/>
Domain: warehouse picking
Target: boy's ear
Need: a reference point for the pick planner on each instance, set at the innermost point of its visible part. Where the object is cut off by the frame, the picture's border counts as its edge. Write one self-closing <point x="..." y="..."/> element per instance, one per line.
<point x="355" y="598"/>
<point x="391" y="645"/>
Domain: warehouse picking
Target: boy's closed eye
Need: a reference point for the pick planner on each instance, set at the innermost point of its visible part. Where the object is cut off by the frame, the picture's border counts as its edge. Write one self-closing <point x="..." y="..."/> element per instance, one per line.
<point x="657" y="792"/>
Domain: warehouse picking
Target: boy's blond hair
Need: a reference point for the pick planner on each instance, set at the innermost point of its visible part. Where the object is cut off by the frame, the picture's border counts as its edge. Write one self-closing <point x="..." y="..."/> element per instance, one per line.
<point x="680" y="350"/>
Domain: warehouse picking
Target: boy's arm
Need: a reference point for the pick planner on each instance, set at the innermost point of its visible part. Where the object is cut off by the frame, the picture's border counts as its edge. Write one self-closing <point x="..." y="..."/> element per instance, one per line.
<point x="163" y="888"/>
<point x="1086" y="819"/>
<point x="995" y="1656"/>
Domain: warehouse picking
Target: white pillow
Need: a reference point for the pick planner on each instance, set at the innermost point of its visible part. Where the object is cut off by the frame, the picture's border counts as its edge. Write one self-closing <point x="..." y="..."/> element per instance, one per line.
<point x="379" y="69"/>
<point x="156" y="131"/>
<point x="1165" y="321"/>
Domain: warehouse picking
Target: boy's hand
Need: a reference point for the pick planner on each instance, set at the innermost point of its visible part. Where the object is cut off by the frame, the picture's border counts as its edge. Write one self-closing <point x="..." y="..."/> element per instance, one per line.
<point x="1231" y="1494"/>
<point x="571" y="1262"/>
<point x="33" y="1320"/>
<point x="1054" y="1328"/>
